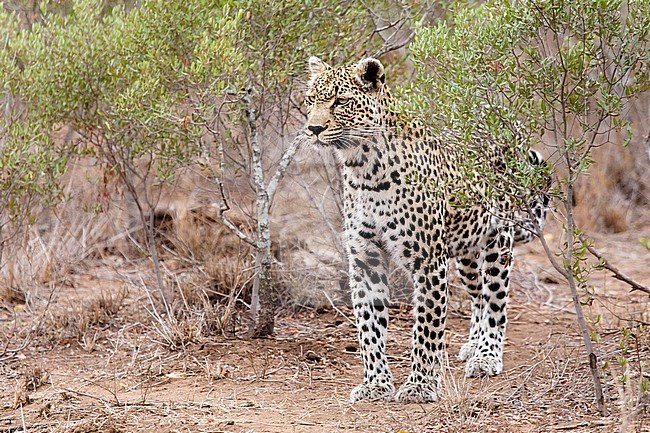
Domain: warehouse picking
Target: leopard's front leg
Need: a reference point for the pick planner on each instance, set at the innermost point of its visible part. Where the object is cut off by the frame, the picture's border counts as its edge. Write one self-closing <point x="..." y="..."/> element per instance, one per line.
<point x="429" y="312"/>
<point x="369" y="286"/>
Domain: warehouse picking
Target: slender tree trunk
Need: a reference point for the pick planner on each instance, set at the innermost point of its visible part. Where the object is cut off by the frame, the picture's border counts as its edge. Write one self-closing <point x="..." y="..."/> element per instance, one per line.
<point x="149" y="230"/>
<point x="151" y="240"/>
<point x="568" y="264"/>
<point x="2" y="242"/>
<point x="264" y="316"/>
<point x="263" y="297"/>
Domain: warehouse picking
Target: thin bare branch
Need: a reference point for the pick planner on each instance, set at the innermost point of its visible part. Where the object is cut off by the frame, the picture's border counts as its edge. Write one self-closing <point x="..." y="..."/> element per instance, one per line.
<point x="287" y="157"/>
<point x="392" y="46"/>
<point x="233" y="228"/>
<point x="386" y="48"/>
<point x="617" y="273"/>
<point x="338" y="310"/>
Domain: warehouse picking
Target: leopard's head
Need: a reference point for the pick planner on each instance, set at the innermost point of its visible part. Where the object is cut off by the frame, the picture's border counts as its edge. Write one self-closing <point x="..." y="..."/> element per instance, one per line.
<point x="345" y="104"/>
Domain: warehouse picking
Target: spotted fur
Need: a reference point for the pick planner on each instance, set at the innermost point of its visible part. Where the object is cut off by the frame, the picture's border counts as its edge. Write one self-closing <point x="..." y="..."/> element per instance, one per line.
<point x="399" y="183"/>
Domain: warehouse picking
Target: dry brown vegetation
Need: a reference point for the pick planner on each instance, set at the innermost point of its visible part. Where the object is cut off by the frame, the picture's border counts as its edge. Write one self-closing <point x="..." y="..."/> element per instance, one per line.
<point x="85" y="345"/>
<point x="84" y="350"/>
<point x="614" y="197"/>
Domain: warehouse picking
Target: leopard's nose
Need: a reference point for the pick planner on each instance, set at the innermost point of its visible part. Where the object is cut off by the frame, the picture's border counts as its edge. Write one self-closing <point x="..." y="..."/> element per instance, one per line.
<point x="316" y="129"/>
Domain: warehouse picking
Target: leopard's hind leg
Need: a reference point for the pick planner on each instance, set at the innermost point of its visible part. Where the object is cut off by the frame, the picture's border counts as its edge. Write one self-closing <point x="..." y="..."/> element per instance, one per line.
<point x="487" y="359"/>
<point x="469" y="272"/>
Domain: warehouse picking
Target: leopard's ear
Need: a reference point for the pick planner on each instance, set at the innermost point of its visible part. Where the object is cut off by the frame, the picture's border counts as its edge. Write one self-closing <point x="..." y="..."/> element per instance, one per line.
<point x="370" y="74"/>
<point x="316" y="67"/>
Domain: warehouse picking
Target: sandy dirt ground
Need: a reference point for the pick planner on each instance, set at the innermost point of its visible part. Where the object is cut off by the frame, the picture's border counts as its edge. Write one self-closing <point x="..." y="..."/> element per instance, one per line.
<point x="117" y="377"/>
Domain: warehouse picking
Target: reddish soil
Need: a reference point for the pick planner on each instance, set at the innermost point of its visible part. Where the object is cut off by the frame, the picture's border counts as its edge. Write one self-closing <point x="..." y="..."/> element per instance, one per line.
<point x="118" y="378"/>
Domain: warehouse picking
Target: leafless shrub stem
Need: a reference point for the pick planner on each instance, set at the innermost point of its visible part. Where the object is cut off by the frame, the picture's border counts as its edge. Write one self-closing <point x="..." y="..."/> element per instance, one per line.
<point x="619" y="275"/>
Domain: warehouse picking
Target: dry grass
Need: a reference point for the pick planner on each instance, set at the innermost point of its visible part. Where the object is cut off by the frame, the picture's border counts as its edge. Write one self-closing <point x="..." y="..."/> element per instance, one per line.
<point x="51" y="323"/>
<point x="615" y="196"/>
<point x="88" y="347"/>
<point x="262" y="385"/>
<point x="10" y="295"/>
<point x="61" y="242"/>
<point x="458" y="399"/>
<point x="630" y="371"/>
<point x="32" y="380"/>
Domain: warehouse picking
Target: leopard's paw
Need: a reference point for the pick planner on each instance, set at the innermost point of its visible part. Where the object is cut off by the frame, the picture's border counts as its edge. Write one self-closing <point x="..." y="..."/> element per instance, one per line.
<point x="467" y="350"/>
<point x="418" y="391"/>
<point x="483" y="365"/>
<point x="377" y="390"/>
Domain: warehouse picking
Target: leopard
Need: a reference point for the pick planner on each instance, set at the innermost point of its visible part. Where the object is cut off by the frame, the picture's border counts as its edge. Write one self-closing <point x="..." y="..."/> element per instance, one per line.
<point x="400" y="187"/>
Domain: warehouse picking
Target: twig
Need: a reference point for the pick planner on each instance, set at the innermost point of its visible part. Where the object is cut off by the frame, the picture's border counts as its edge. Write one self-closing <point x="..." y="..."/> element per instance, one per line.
<point x="579" y="424"/>
<point x="337" y="310"/>
<point x="233" y="228"/>
<point x="617" y="273"/>
<point x="83" y="394"/>
<point x="22" y="418"/>
<point x="287" y="157"/>
<point x="218" y="178"/>
<point x="388" y="47"/>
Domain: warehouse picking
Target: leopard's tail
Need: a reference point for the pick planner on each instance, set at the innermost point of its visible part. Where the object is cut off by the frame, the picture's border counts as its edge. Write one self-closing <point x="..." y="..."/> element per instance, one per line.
<point x="538" y="207"/>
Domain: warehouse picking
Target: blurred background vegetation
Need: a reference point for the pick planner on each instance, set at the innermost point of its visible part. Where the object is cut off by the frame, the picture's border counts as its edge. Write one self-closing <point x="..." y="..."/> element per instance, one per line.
<point x="126" y="136"/>
<point x="147" y="153"/>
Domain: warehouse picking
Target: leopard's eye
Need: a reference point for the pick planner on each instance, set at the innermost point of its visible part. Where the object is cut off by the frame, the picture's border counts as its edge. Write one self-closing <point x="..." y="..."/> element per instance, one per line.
<point x="309" y="100"/>
<point x="340" y="101"/>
